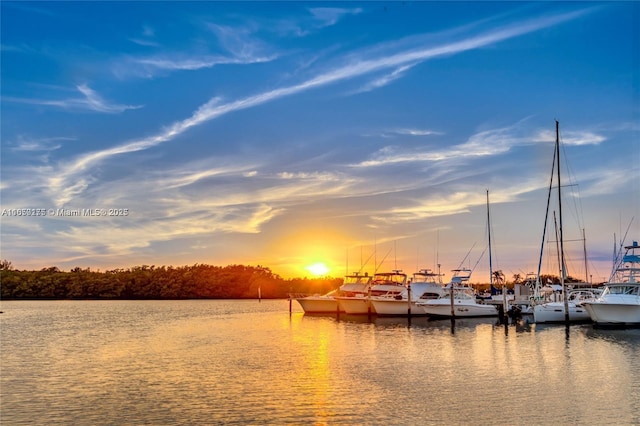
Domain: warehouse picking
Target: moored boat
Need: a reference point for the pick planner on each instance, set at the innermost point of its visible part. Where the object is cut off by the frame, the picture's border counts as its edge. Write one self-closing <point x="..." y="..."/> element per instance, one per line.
<point x="458" y="301"/>
<point x="554" y="312"/>
<point x="328" y="303"/>
<point x="388" y="284"/>
<point x="619" y="303"/>
<point x="425" y="285"/>
<point x="319" y="303"/>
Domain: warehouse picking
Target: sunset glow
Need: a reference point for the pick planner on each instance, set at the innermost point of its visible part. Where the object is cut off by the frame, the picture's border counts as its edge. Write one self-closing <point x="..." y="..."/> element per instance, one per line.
<point x="318" y="269"/>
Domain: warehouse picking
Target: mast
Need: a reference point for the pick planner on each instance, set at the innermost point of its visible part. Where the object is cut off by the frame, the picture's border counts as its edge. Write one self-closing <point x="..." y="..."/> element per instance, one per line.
<point x="564" y="271"/>
<point x="489" y="232"/>
<point x="586" y="263"/>
<point x="544" y="229"/>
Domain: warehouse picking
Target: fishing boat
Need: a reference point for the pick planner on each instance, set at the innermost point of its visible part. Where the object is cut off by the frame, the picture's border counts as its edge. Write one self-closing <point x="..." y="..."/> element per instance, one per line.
<point x="619" y="303"/>
<point x="458" y="301"/>
<point x="424" y="285"/>
<point x="387" y="284"/>
<point x="354" y="284"/>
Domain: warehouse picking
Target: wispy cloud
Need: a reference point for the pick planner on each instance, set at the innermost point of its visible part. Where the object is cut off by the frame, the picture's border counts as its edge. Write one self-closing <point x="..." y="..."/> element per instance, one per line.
<point x="584" y="137"/>
<point x="238" y="44"/>
<point x="146" y="37"/>
<point x="481" y="144"/>
<point x="195" y="63"/>
<point x="67" y="182"/>
<point x="317" y="19"/>
<point x="91" y="101"/>
<point x="23" y="143"/>
<point x="384" y="80"/>
<point x="394" y="133"/>
<point x="328" y="16"/>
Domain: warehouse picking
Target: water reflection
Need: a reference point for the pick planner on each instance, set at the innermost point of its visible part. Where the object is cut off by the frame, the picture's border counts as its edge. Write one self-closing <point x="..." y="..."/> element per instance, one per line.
<point x="217" y="362"/>
<point x="520" y="325"/>
<point x="624" y="337"/>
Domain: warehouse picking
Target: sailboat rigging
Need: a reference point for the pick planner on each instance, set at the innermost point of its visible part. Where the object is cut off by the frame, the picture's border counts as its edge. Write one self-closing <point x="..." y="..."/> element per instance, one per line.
<point x="570" y="309"/>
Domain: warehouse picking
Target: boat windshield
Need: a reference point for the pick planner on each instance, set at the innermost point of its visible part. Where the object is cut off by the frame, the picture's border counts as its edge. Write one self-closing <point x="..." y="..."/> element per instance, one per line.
<point x="623" y="289"/>
<point x="389" y="278"/>
<point x="357" y="279"/>
<point x="460" y="293"/>
<point x="425" y="276"/>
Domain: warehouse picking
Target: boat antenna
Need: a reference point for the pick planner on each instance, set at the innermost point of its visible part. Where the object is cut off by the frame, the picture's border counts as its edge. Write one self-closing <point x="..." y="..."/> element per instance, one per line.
<point x="467" y="255"/>
<point x="619" y="254"/>
<point x="346" y="272"/>
<point x="365" y="263"/>
<point x="395" y="254"/>
<point x="382" y="261"/>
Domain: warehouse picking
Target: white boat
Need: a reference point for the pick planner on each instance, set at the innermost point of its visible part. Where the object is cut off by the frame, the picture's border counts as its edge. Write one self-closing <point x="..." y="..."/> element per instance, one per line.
<point x="458" y="301"/>
<point x="327" y="303"/>
<point x="425" y="285"/>
<point x="387" y="284"/>
<point x="554" y="312"/>
<point x="319" y="303"/>
<point x="619" y="304"/>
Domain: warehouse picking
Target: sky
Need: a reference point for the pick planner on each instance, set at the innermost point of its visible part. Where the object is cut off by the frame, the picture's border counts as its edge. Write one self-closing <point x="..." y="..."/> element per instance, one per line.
<point x="364" y="136"/>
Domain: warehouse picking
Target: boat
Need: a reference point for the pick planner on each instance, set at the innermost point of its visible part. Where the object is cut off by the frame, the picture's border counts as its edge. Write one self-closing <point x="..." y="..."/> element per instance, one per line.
<point x="424" y="285"/>
<point x="458" y="301"/>
<point x="387" y="284"/>
<point x="354" y="284"/>
<point x="319" y="303"/>
<point x="553" y="312"/>
<point x="619" y="303"/>
<point x="567" y="308"/>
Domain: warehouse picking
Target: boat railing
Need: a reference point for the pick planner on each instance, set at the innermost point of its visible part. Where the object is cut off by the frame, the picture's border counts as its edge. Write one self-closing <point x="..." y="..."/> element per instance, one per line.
<point x="301" y="295"/>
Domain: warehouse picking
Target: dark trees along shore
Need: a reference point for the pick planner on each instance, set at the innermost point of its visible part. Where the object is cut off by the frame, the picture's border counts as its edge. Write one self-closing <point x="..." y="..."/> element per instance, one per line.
<point x="152" y="282"/>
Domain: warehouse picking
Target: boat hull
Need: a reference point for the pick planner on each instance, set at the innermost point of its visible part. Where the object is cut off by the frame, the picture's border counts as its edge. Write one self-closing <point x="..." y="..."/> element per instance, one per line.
<point x="614" y="314"/>
<point x="461" y="310"/>
<point x="319" y="305"/>
<point x="355" y="305"/>
<point x="553" y="312"/>
<point x="394" y="307"/>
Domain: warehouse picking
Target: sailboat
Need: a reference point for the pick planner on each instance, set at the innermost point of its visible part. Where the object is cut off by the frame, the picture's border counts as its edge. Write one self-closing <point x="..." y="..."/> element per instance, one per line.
<point x="570" y="308"/>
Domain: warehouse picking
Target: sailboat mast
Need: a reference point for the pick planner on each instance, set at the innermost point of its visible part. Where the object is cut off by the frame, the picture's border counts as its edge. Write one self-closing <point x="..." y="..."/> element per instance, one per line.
<point x="546" y="220"/>
<point x="564" y="271"/>
<point x="489" y="232"/>
<point x="586" y="263"/>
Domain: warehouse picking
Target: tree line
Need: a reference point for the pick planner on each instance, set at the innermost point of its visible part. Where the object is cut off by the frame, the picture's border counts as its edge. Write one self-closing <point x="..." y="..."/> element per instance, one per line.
<point x="198" y="281"/>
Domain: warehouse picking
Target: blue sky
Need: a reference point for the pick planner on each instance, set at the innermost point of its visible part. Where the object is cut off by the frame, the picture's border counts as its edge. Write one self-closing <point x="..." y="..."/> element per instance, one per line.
<point x="287" y="133"/>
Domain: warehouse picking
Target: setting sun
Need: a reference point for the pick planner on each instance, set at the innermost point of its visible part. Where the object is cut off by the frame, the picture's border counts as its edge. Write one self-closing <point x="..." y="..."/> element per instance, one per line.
<point x="318" y="269"/>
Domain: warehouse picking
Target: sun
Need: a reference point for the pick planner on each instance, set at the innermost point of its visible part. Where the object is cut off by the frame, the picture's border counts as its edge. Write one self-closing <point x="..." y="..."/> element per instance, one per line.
<point x="318" y="269"/>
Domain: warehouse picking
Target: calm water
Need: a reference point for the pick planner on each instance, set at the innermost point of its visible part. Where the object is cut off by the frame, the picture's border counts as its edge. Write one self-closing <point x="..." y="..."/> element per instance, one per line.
<point x="250" y="363"/>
